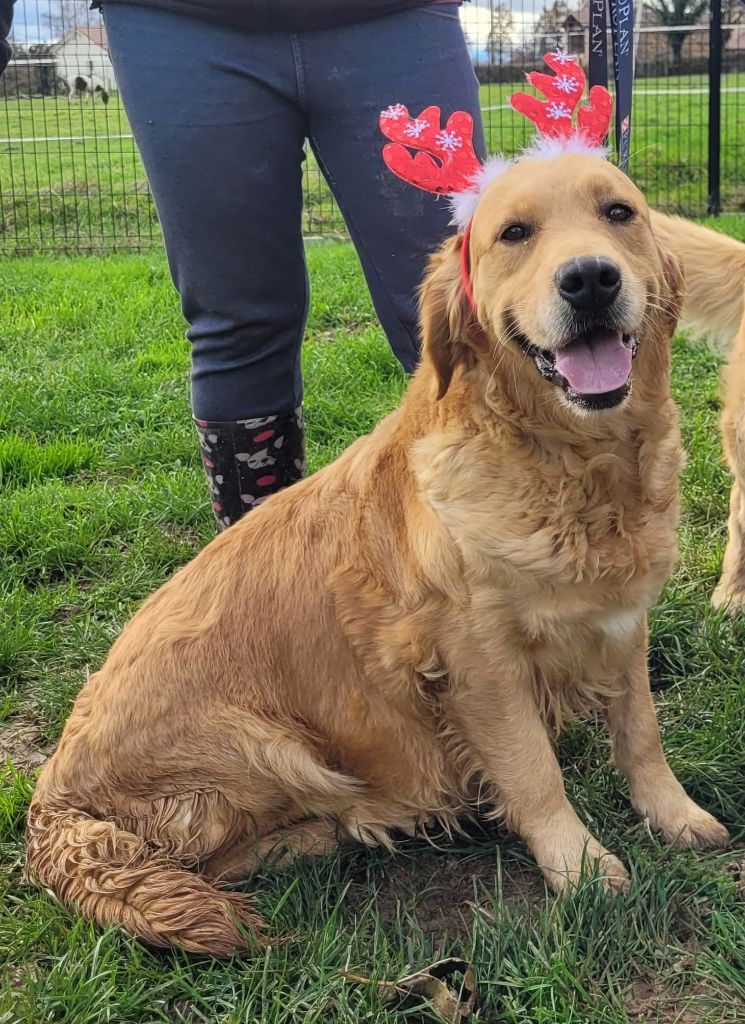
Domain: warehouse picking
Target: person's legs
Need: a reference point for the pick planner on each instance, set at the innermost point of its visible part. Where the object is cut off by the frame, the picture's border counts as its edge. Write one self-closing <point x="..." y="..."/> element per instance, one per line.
<point x="218" y="122"/>
<point x="418" y="58"/>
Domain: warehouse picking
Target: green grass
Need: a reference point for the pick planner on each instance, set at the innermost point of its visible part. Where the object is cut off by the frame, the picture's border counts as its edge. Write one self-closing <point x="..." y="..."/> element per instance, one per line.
<point x="80" y="185"/>
<point x="102" y="498"/>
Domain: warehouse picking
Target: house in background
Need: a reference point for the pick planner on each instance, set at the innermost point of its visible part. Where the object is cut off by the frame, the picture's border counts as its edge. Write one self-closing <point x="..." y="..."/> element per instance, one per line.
<point x="574" y="35"/>
<point x="84" y="51"/>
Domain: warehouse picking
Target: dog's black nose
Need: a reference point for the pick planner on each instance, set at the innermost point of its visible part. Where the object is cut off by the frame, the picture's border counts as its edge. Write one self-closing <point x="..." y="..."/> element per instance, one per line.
<point x="589" y="284"/>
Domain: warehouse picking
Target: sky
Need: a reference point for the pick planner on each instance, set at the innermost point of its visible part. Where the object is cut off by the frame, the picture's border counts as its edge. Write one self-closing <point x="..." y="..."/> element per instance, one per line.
<point x="24" y="15"/>
<point x="476" y="21"/>
<point x="31" y="26"/>
<point x="30" y="23"/>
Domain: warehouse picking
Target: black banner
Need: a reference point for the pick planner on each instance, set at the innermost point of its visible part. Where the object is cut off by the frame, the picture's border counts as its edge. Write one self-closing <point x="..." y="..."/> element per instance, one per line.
<point x="622" y="29"/>
<point x="599" y="42"/>
<point x="622" y="33"/>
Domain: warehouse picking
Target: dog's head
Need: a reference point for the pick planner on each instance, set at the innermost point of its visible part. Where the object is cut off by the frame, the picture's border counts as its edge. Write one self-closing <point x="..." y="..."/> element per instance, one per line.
<point x="569" y="287"/>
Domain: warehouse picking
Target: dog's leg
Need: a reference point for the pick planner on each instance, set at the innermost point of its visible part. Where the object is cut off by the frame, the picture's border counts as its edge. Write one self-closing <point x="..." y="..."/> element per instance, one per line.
<point x="310" y="838"/>
<point x="500" y="722"/>
<point x="655" y="792"/>
<point x="731" y="589"/>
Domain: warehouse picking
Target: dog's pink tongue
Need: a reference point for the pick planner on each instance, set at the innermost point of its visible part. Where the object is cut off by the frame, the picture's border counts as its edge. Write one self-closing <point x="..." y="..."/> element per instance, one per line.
<point x="596" y="364"/>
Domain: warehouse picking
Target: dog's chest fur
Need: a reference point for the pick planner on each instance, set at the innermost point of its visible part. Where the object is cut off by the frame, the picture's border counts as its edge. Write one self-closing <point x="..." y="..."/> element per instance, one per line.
<point x="567" y="547"/>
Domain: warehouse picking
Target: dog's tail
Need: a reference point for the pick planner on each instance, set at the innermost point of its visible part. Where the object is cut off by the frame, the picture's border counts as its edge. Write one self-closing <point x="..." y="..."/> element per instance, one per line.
<point x="114" y="877"/>
<point x="104" y="96"/>
<point x="714" y="266"/>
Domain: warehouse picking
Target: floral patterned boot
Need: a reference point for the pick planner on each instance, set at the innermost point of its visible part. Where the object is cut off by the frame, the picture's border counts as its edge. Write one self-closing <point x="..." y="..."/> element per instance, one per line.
<point x="247" y="460"/>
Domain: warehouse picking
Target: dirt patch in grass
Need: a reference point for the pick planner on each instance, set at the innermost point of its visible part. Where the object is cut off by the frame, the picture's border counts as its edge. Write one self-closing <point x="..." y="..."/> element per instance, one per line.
<point x="63" y="612"/>
<point x="24" y="745"/>
<point x="649" y="1002"/>
<point x="444" y="894"/>
<point x="181" y="533"/>
<point x="736" y="870"/>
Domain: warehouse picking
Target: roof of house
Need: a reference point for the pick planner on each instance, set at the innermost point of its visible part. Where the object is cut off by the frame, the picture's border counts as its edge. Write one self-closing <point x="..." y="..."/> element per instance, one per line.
<point x="95" y="33"/>
<point x="571" y="21"/>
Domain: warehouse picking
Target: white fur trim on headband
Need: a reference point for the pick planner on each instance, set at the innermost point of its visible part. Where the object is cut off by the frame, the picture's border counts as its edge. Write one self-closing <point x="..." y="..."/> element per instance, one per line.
<point x="546" y="147"/>
<point x="463" y="204"/>
<point x="543" y="147"/>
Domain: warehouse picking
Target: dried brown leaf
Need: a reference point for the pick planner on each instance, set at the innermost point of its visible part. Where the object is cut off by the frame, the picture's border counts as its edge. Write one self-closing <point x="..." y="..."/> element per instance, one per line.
<point x="446" y="988"/>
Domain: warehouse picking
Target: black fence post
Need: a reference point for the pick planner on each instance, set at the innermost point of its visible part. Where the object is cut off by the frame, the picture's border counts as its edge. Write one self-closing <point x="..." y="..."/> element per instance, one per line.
<point x="715" y="106"/>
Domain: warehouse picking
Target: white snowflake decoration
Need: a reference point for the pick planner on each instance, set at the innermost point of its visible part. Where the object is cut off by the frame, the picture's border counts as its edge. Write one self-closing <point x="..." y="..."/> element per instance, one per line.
<point x="563" y="58"/>
<point x="558" y="110"/>
<point x="449" y="142"/>
<point x="567" y="84"/>
<point x="393" y="113"/>
<point x="415" y="128"/>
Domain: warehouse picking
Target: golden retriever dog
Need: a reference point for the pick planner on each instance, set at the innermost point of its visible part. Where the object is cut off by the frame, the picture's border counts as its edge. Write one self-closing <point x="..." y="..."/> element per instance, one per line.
<point x="393" y="643"/>
<point x="715" y="280"/>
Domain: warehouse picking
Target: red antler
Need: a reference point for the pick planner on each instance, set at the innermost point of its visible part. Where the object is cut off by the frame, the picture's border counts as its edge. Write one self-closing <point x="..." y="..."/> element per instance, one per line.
<point x="594" y="119"/>
<point x="563" y="92"/>
<point x="446" y="161"/>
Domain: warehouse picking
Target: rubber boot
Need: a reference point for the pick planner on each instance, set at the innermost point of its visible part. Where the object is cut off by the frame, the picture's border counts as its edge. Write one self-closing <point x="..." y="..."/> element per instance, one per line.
<point x="248" y="460"/>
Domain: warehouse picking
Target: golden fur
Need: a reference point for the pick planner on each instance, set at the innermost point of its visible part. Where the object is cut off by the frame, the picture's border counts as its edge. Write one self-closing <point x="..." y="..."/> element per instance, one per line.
<point x="715" y="277"/>
<point x="730" y="592"/>
<point x="714" y="266"/>
<point x="393" y="642"/>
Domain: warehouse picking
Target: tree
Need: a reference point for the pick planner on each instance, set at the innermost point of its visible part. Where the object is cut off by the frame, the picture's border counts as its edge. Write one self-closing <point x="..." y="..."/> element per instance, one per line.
<point x="678" y="12"/>
<point x="549" y="28"/>
<point x="64" y="15"/>
<point x="500" y="34"/>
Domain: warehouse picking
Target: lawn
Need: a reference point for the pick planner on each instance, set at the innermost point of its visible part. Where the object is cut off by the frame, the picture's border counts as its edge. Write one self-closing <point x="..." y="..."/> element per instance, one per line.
<point x="102" y="498"/>
<point x="71" y="178"/>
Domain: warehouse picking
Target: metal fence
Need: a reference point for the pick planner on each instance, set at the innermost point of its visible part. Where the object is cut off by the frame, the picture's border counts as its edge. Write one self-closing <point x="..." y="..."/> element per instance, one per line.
<point x="71" y="179"/>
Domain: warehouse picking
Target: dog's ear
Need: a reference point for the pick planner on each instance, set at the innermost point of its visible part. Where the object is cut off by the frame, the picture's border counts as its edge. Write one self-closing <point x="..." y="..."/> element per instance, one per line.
<point x="674" y="291"/>
<point x="445" y="315"/>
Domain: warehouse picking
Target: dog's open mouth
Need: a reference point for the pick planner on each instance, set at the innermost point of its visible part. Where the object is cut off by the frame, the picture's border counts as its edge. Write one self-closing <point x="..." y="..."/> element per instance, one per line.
<point x="593" y="369"/>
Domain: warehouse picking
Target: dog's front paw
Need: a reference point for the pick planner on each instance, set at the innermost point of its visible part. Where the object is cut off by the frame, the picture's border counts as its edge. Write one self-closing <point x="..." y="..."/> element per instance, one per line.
<point x="728" y="598"/>
<point x="690" y="827"/>
<point x="564" y="867"/>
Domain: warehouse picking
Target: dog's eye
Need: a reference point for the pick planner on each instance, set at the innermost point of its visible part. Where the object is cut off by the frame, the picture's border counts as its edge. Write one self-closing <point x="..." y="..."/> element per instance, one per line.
<point x="619" y="212"/>
<point x="514" y="233"/>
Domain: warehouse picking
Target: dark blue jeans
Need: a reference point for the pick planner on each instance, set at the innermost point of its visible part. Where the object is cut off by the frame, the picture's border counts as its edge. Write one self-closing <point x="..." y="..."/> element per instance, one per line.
<point x="221" y="117"/>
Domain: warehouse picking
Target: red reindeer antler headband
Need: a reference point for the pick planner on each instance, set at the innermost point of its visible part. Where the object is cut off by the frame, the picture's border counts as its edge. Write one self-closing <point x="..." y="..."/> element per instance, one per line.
<point x="445" y="161"/>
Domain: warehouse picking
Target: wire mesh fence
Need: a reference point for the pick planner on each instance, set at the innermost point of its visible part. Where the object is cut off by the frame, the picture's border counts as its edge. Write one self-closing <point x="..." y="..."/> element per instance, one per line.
<point x="71" y="179"/>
